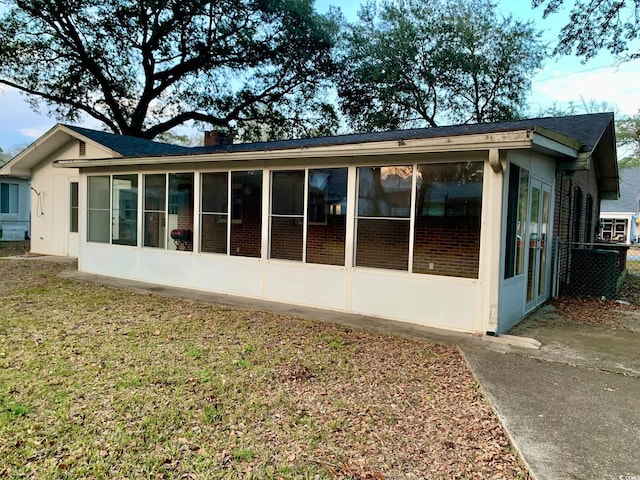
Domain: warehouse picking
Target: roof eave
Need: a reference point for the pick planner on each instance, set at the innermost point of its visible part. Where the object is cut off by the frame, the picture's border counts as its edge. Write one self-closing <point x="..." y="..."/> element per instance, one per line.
<point x="23" y="163"/>
<point x="517" y="139"/>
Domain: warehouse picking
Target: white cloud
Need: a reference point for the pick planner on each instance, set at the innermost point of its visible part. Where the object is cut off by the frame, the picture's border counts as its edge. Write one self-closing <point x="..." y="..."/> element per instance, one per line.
<point x="617" y="86"/>
<point x="32" y="132"/>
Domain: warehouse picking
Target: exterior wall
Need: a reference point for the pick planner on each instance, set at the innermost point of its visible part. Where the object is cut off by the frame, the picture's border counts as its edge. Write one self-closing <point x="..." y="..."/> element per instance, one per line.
<point x="16" y="226"/>
<point x="513" y="291"/>
<point x="569" y="186"/>
<point x="50" y="200"/>
<point x="449" y="302"/>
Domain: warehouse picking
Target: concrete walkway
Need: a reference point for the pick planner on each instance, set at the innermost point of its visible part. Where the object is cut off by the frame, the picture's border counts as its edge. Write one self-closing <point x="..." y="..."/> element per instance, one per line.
<point x="571" y="408"/>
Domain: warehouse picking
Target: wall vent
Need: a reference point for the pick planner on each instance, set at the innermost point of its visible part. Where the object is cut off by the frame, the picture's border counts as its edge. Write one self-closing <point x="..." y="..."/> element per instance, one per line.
<point x="82" y="148"/>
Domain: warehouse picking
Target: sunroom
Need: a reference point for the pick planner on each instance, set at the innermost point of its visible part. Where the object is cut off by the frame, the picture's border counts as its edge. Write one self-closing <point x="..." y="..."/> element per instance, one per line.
<point x="367" y="237"/>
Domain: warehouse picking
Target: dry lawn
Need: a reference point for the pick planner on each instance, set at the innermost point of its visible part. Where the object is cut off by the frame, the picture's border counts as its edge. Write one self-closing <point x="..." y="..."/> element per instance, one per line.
<point x="8" y="249"/>
<point x="609" y="313"/>
<point x="97" y="382"/>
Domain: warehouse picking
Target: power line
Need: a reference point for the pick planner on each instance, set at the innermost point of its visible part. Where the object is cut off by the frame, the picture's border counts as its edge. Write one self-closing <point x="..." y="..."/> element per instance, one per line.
<point x="568" y="74"/>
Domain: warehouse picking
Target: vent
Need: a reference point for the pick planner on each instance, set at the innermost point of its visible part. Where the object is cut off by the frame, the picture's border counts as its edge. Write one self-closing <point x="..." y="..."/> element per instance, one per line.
<point x="82" y="148"/>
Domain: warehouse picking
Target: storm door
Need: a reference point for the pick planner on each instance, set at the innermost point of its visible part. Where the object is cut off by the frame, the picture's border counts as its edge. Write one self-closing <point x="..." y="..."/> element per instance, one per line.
<point x="539" y="253"/>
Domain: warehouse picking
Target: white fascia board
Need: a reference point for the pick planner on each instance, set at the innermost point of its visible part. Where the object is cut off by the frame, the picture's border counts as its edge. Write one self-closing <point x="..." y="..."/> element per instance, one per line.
<point x="500" y="140"/>
<point x="554" y="147"/>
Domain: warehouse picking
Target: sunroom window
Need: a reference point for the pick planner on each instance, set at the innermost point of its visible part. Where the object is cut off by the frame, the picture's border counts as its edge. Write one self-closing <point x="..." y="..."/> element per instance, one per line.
<point x="124" y="200"/>
<point x="214" y="214"/>
<point x="98" y="211"/>
<point x="308" y="215"/>
<point x="287" y="214"/>
<point x="448" y="216"/>
<point x="383" y="217"/>
<point x="155" y="198"/>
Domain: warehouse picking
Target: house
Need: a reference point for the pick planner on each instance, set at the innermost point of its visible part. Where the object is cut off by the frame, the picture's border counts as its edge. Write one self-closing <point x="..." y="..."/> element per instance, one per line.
<point x="619" y="218"/>
<point x="15" y="208"/>
<point x="451" y="227"/>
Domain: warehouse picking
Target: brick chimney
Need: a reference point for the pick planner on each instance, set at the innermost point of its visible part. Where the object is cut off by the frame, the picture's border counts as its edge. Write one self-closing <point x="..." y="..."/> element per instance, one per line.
<point x="213" y="138"/>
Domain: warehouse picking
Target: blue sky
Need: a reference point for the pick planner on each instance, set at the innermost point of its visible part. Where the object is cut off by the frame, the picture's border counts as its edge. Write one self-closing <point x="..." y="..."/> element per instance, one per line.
<point x="562" y="79"/>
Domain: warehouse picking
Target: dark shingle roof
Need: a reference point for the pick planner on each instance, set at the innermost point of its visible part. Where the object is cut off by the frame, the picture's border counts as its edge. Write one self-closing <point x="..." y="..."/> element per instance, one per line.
<point x="130" y="146"/>
<point x="629" y="191"/>
<point x="586" y="129"/>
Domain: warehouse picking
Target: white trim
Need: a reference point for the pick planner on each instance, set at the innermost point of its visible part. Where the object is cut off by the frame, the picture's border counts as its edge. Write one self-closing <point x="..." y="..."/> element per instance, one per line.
<point x="520" y="139"/>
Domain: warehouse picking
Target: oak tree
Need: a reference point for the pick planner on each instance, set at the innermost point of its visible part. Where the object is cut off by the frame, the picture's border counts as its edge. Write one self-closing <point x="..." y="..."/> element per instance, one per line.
<point x="594" y="25"/>
<point x="414" y="63"/>
<point x="142" y="67"/>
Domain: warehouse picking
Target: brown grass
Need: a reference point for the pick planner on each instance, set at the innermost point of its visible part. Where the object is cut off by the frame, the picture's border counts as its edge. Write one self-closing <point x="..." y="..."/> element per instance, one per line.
<point x="97" y="382"/>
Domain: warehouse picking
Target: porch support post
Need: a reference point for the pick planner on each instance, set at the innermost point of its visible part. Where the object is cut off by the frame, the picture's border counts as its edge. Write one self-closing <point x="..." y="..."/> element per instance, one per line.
<point x="492" y="213"/>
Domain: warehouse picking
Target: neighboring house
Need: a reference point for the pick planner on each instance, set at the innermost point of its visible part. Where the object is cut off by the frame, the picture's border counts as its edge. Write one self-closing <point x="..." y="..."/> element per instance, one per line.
<point x="619" y="218"/>
<point x="14" y="208"/>
<point x="449" y="227"/>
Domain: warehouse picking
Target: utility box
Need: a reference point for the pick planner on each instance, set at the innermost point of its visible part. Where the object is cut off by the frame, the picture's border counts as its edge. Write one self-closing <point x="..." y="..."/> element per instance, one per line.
<point x="594" y="273"/>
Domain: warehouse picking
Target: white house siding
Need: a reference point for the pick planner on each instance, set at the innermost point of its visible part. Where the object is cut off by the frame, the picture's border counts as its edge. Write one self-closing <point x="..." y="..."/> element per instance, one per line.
<point x="432" y="300"/>
<point x="51" y="202"/>
<point x="50" y="219"/>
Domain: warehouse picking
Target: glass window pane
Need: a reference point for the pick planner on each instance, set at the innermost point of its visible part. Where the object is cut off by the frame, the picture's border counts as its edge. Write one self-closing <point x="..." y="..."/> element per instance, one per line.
<point x="287" y="198"/>
<point x="4" y="198"/>
<point x="98" y="210"/>
<point x="214" y="216"/>
<point x="154" y="229"/>
<point x="155" y="187"/>
<point x="448" y="216"/>
<point x="382" y="243"/>
<point x="9" y="198"/>
<point x="180" y="212"/>
<point x="214" y="233"/>
<point x="246" y="213"/>
<point x="512" y="221"/>
<point x="326" y="216"/>
<point x="523" y="204"/>
<point x="125" y="209"/>
<point x="214" y="192"/>
<point x="287" y="193"/>
<point x="98" y="226"/>
<point x="98" y="192"/>
<point x="73" y="196"/>
<point x="286" y="238"/>
<point x="384" y="191"/>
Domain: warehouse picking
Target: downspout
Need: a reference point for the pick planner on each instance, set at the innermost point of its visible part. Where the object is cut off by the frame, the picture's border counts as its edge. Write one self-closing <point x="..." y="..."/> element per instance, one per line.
<point x="493" y="252"/>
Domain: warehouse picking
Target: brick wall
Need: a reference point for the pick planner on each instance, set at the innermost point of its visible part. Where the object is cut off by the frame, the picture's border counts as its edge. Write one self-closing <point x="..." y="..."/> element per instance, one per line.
<point x="286" y="238"/>
<point x="325" y="243"/>
<point x="213" y="238"/>
<point x="247" y="230"/>
<point x="153" y="224"/>
<point x="450" y="244"/>
<point x="567" y="186"/>
<point x="383" y="243"/>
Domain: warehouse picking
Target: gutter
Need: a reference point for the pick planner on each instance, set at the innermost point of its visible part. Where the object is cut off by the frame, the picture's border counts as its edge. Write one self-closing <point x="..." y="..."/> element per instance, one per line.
<point x="519" y="139"/>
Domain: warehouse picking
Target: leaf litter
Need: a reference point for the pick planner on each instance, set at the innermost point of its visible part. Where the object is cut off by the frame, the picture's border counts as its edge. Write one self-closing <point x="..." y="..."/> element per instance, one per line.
<point x="118" y="384"/>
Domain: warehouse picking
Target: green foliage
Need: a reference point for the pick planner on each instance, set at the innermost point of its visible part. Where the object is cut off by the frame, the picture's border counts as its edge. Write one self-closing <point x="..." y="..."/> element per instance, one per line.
<point x="4" y="157"/>
<point x="143" y="68"/>
<point x="418" y="63"/>
<point x="628" y="136"/>
<point x="593" y="25"/>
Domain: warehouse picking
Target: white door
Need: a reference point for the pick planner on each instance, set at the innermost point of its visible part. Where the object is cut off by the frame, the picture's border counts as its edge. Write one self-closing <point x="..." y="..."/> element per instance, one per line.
<point x="539" y="253"/>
